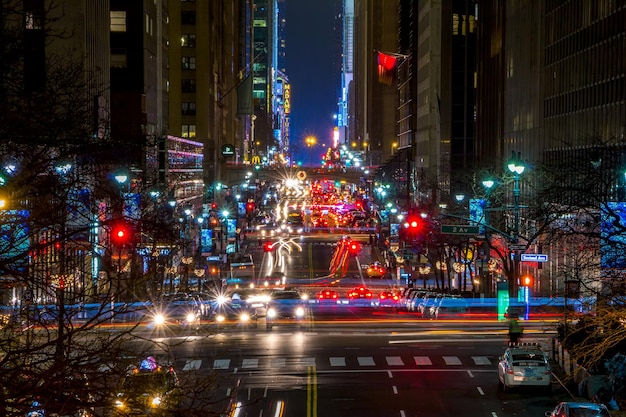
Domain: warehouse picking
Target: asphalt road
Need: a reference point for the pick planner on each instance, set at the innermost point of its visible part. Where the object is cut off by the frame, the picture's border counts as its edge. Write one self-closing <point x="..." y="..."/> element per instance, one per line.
<point x="429" y="369"/>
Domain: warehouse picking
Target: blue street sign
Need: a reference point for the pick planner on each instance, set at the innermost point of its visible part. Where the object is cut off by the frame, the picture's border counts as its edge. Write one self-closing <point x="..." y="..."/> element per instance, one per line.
<point x="534" y="257"/>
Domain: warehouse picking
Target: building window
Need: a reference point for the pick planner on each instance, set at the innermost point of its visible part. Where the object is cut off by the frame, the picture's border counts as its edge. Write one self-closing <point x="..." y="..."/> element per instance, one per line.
<point x="118" y="21"/>
<point x="188" y="18"/>
<point x="188" y="40"/>
<point x="188" y="131"/>
<point x="189" y="86"/>
<point x="189" y="62"/>
<point x="118" y="58"/>
<point x="188" y="108"/>
<point x="33" y="19"/>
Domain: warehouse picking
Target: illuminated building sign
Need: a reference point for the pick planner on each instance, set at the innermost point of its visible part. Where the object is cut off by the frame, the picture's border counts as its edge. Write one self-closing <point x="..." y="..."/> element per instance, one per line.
<point x="287" y="99"/>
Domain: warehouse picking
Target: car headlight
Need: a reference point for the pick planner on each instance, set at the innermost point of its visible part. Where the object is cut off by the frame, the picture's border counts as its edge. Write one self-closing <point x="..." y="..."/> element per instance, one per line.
<point x="159" y="318"/>
<point x="244" y="317"/>
<point x="220" y="318"/>
<point x="221" y="300"/>
<point x="299" y="312"/>
<point x="191" y="317"/>
<point x="156" y="401"/>
<point x="271" y="313"/>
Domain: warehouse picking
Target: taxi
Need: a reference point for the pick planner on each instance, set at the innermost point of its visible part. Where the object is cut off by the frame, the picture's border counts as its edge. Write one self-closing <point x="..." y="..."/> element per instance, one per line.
<point x="524" y="365"/>
<point x="149" y="389"/>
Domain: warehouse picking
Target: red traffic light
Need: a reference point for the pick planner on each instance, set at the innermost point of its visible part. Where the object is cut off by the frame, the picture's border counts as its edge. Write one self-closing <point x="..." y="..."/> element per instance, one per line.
<point x="250" y="207"/>
<point x="120" y="234"/>
<point x="354" y="248"/>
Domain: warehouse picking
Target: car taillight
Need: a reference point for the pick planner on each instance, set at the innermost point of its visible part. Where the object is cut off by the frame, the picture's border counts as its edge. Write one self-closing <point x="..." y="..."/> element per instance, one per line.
<point x="382" y="296"/>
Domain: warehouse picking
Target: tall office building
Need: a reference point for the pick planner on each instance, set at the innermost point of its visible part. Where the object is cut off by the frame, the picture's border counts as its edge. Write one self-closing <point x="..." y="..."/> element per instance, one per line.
<point x="139" y="68"/>
<point x="375" y="29"/>
<point x="207" y="63"/>
<point x="344" y="121"/>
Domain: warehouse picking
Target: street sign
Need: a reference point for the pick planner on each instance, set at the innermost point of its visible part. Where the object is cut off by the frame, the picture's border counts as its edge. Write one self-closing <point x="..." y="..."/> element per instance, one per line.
<point x="454" y="229"/>
<point x="516" y="246"/>
<point x="534" y="257"/>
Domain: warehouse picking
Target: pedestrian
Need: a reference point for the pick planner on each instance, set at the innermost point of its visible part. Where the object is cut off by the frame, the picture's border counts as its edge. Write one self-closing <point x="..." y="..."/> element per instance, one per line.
<point x="515" y="330"/>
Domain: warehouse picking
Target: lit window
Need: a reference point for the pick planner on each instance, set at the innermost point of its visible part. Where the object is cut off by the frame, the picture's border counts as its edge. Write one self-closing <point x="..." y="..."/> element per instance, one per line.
<point x="118" y="21"/>
<point x="189" y="62"/>
<point x="188" y="40"/>
<point x="33" y="20"/>
<point x="188" y="131"/>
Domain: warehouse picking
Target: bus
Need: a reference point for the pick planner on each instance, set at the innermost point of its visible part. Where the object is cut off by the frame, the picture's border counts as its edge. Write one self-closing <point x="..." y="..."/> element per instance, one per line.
<point x="242" y="270"/>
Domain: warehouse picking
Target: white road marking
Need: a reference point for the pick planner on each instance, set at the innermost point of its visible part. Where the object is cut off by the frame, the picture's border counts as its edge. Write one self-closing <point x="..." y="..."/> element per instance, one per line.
<point x="422" y="360"/>
<point x="337" y="361"/>
<point x="452" y="360"/>
<point x="366" y="361"/>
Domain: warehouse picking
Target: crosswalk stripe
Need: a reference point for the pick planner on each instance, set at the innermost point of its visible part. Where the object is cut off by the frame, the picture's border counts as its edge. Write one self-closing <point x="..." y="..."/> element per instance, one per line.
<point x="250" y="363"/>
<point x="452" y="360"/>
<point x="192" y="364"/>
<point x="337" y="361"/>
<point x="422" y="360"/>
<point x="366" y="361"/>
<point x="221" y="363"/>
<point x="394" y="360"/>
<point x="481" y="360"/>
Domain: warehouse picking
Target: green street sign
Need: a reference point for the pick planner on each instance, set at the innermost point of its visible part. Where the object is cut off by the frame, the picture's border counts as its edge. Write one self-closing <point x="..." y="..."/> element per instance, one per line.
<point x="455" y="229"/>
<point x="228" y="150"/>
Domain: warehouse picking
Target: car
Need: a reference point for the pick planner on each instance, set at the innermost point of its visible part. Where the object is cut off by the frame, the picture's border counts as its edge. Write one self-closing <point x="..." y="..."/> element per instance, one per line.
<point x="176" y="308"/>
<point x="327" y="296"/>
<point x="448" y="305"/>
<point x="148" y="389"/>
<point x="285" y="306"/>
<point x="360" y="295"/>
<point x="424" y="305"/>
<point x="388" y="298"/>
<point x="579" y="409"/>
<point x="376" y="270"/>
<point x="233" y="309"/>
<point x="524" y="365"/>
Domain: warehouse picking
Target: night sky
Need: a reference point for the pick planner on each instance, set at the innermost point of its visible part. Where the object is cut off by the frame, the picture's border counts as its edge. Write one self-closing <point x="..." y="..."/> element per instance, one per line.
<point x="313" y="68"/>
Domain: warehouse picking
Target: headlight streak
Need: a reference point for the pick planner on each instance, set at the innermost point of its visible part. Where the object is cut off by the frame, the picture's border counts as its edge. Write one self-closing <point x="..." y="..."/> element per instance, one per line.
<point x="280" y="407"/>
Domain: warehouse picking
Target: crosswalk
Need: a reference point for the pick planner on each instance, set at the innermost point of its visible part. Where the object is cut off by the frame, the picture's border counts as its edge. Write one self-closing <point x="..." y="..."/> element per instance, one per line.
<point x="336" y="362"/>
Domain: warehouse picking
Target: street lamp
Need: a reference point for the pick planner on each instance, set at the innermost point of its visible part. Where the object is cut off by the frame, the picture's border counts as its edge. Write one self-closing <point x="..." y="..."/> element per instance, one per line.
<point x="516" y="166"/>
<point x="225" y="214"/>
<point x="310" y="141"/>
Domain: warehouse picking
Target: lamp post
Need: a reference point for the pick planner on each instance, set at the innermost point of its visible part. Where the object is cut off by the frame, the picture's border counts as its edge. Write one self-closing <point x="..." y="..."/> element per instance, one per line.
<point x="225" y="215"/>
<point x="310" y="142"/>
<point x="516" y="166"/>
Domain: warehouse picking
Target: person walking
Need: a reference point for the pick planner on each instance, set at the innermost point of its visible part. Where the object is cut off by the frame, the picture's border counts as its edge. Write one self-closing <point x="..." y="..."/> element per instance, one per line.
<point x="515" y="330"/>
